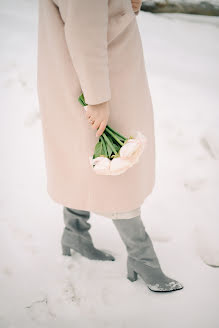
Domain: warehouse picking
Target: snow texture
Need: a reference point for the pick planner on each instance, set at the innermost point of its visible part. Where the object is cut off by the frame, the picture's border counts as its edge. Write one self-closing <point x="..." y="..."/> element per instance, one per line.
<point x="41" y="288"/>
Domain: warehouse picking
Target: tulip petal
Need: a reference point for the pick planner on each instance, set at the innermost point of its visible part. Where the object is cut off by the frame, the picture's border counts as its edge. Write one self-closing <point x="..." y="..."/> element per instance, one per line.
<point x="119" y="165"/>
<point x="101" y="165"/>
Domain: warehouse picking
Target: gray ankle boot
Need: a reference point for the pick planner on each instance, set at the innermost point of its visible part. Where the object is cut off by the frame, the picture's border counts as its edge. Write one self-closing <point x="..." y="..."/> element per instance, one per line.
<point x="142" y="258"/>
<point x="76" y="236"/>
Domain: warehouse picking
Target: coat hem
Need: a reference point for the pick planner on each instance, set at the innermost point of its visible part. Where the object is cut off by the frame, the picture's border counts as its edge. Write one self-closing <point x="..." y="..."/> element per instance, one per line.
<point x="95" y="210"/>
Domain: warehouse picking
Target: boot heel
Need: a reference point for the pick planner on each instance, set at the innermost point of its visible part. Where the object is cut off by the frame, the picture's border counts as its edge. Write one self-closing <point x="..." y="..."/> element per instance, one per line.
<point x="132" y="275"/>
<point x="66" y="250"/>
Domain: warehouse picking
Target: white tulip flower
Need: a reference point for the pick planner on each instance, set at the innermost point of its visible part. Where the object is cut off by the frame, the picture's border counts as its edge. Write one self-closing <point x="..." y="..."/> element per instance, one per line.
<point x="129" y="148"/>
<point x="119" y="165"/>
<point x="101" y="165"/>
<point x="133" y="148"/>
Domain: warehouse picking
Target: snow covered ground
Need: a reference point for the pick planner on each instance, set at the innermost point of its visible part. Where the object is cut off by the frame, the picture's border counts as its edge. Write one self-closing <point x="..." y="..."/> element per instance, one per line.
<point x="41" y="288"/>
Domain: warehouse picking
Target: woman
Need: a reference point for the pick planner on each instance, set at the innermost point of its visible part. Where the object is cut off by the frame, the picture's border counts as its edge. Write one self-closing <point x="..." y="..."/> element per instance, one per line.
<point x="95" y="47"/>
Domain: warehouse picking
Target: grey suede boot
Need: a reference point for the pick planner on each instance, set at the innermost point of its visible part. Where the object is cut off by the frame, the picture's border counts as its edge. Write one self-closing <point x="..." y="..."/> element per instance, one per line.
<point x="142" y="258"/>
<point x="76" y="236"/>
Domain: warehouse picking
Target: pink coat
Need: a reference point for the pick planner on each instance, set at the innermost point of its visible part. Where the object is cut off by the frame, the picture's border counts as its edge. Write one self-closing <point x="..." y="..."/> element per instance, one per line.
<point x="92" y="47"/>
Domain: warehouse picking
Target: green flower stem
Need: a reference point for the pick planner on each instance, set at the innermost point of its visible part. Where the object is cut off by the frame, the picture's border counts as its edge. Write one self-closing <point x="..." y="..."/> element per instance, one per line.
<point x="108" y="134"/>
<point x="116" y="132"/>
<point x="102" y="150"/>
<point x="104" y="146"/>
<point x="114" y="136"/>
<point x="82" y="100"/>
<point x="109" y="143"/>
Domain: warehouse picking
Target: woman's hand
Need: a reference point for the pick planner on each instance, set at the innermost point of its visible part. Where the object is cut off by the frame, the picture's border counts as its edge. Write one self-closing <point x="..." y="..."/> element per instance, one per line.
<point x="136" y="5"/>
<point x="98" y="116"/>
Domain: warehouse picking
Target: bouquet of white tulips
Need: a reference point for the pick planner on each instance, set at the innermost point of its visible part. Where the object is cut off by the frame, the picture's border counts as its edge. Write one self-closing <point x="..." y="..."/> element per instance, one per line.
<point x="114" y="153"/>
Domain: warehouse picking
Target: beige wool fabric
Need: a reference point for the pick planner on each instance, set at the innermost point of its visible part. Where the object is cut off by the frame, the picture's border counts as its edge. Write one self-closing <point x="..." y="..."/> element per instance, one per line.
<point x="92" y="47"/>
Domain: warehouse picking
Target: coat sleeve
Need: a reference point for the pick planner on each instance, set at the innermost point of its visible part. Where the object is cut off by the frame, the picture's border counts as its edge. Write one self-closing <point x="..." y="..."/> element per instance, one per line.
<point x="86" y="37"/>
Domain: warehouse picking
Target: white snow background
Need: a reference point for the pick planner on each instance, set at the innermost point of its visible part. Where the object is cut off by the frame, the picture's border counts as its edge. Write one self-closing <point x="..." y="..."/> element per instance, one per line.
<point x="39" y="287"/>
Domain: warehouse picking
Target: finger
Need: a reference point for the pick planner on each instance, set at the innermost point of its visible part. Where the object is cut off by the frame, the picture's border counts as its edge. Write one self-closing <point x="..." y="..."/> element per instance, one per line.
<point x="95" y="125"/>
<point x="88" y="115"/>
<point x="101" y="129"/>
<point x="91" y="120"/>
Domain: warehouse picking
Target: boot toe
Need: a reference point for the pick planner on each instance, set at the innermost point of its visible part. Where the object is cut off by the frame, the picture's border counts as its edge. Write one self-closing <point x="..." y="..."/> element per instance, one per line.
<point x="174" y="285"/>
<point x="99" y="255"/>
<point x="107" y="256"/>
<point x="167" y="287"/>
